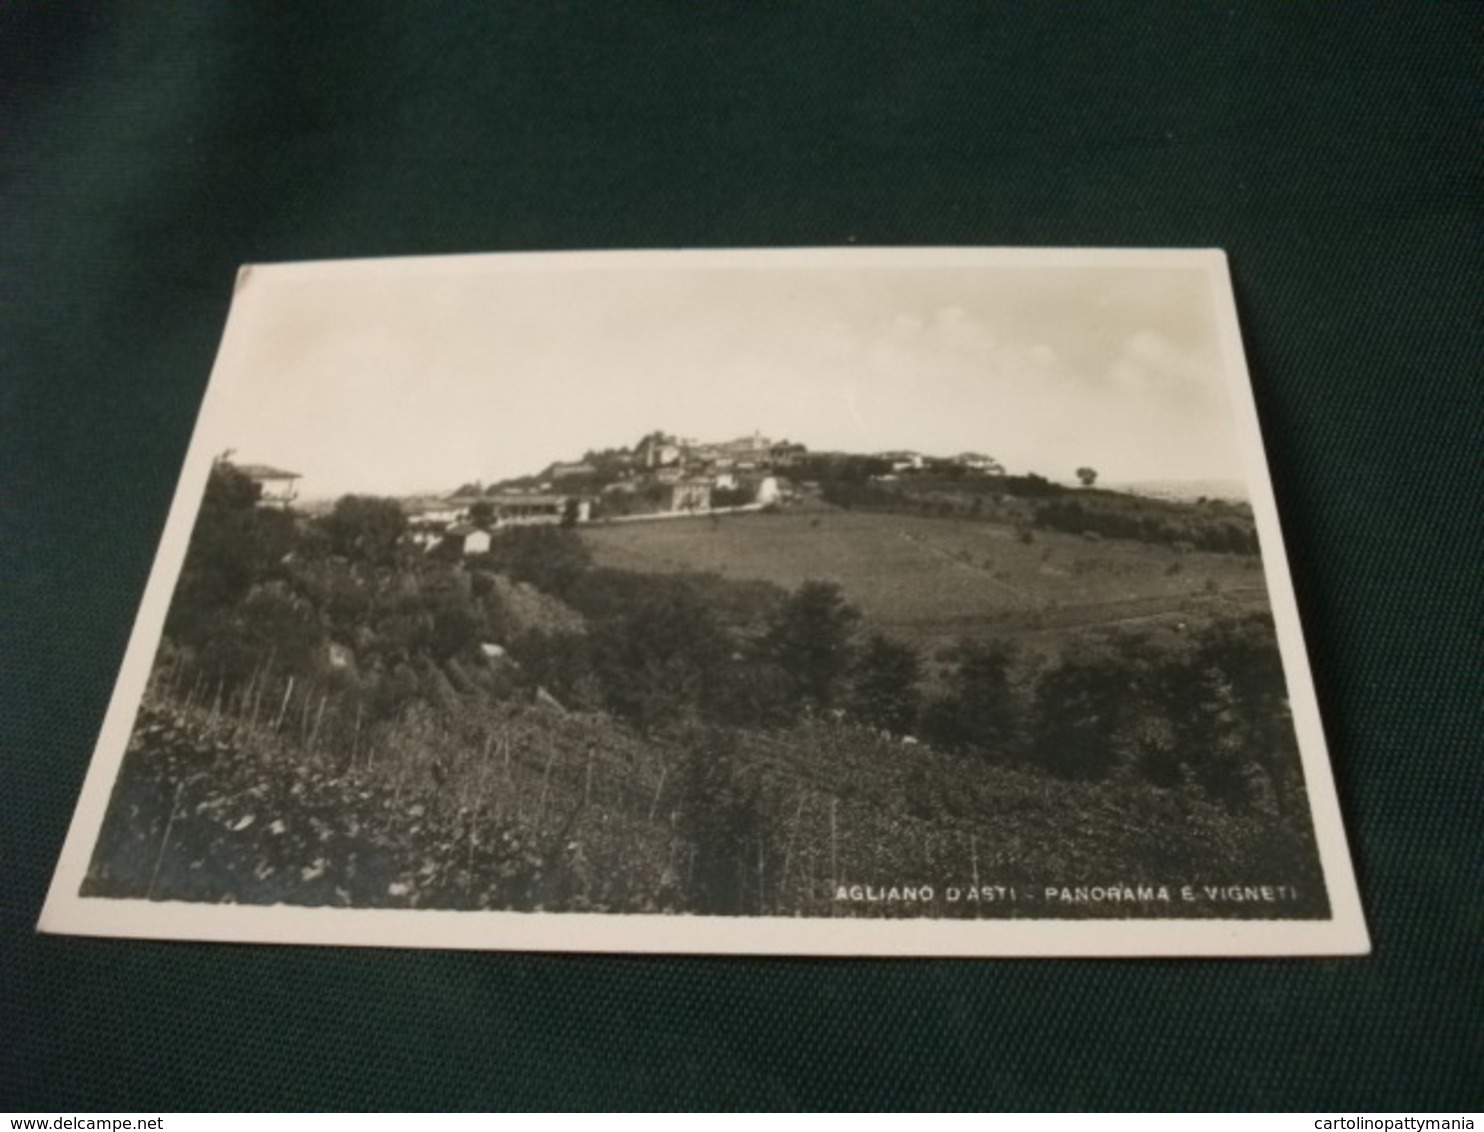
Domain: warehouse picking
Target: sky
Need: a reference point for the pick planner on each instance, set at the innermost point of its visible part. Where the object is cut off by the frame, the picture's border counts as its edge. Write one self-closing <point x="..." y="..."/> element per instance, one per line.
<point x="396" y="377"/>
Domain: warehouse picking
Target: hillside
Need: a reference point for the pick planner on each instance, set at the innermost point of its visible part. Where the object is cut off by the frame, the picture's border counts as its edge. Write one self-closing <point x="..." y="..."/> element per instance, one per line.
<point x="934" y="581"/>
<point x="709" y="716"/>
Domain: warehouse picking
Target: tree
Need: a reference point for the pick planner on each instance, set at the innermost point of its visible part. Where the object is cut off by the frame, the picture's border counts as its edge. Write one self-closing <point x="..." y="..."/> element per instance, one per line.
<point x="552" y="559"/>
<point x="1232" y="714"/>
<point x="659" y="661"/>
<point x="269" y="626"/>
<point x="1088" y="476"/>
<point x="560" y="661"/>
<point x="365" y="528"/>
<point x="234" y="544"/>
<point x="1104" y="706"/>
<point x="1079" y="705"/>
<point x="980" y="712"/>
<point x="754" y="692"/>
<point x="884" y="685"/>
<point x="811" y="641"/>
<point x="482" y="514"/>
<point x="457" y="626"/>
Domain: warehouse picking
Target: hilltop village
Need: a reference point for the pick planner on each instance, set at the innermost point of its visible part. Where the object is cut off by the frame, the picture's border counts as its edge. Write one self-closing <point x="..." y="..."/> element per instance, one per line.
<point x="665" y="476"/>
<point x="661" y="476"/>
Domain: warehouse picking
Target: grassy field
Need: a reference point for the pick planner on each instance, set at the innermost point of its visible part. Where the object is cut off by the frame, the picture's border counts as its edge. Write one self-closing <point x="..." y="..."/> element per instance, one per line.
<point x="935" y="581"/>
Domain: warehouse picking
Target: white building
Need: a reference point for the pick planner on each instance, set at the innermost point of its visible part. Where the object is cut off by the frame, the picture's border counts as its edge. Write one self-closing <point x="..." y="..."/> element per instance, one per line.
<point x="469" y="539"/>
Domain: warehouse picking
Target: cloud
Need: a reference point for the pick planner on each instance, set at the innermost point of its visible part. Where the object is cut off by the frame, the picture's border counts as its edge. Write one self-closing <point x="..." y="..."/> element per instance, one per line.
<point x="1153" y="365"/>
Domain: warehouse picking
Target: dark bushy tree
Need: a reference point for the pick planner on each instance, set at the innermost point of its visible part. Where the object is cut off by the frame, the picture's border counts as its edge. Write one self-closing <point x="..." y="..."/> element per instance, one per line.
<point x="753" y="691"/>
<point x="552" y="559"/>
<point x="234" y="545"/>
<point x="458" y="626"/>
<point x="269" y="626"/>
<point x="365" y="528"/>
<point x="811" y="641"/>
<point x="980" y="713"/>
<point x="1079" y="705"/>
<point x="482" y="514"/>
<point x="660" y="661"/>
<point x="560" y="661"/>
<point x="884" y="686"/>
<point x="1232" y="717"/>
<point x="1208" y="710"/>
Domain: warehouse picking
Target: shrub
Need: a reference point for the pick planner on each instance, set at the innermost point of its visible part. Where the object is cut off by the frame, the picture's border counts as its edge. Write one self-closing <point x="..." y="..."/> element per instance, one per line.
<point x="811" y="641"/>
<point x="659" y="661"/>
<point x="365" y="528"/>
<point x="884" y="685"/>
<point x="1079" y="704"/>
<point x="234" y="545"/>
<point x="981" y="713"/>
<point x="553" y="559"/>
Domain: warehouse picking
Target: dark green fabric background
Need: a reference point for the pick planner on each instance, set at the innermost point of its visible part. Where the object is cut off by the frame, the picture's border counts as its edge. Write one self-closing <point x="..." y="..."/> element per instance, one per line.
<point x="149" y="150"/>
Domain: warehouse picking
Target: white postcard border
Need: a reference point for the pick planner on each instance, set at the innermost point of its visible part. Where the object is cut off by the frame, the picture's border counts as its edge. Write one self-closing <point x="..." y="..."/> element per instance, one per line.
<point x="1344" y="933"/>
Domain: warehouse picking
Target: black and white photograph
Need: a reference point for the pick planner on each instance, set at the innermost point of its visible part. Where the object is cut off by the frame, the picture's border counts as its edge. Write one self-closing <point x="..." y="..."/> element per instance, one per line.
<point x="856" y="601"/>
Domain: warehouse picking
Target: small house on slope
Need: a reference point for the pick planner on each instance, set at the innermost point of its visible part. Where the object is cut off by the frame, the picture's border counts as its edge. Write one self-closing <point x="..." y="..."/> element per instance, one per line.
<point x="276" y="487"/>
<point x="468" y="539"/>
<point x="690" y="494"/>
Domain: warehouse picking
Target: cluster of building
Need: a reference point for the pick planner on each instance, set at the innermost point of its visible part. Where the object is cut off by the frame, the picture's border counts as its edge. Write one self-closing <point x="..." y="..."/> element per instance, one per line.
<point x="747" y="453"/>
<point x="907" y="461"/>
<point x="661" y="475"/>
<point x="466" y="523"/>
<point x="671" y="474"/>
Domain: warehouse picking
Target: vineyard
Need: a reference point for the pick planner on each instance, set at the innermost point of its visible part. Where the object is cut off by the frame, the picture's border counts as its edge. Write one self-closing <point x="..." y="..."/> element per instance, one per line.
<point x="534" y="808"/>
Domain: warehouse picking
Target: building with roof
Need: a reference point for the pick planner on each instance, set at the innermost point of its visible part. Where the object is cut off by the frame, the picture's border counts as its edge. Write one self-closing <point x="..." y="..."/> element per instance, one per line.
<point x="276" y="487"/>
<point x="690" y="494"/>
<point x="534" y="508"/>
<point x="466" y="538"/>
<point x="978" y="462"/>
<point x="905" y="461"/>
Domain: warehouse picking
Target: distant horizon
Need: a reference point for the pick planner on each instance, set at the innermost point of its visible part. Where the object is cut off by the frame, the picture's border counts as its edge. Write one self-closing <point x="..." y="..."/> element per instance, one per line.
<point x="412" y="377"/>
<point x="1175" y="487"/>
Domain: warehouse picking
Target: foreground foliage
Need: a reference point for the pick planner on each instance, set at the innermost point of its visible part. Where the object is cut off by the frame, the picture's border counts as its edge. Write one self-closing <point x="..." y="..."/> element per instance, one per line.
<point x="331" y="720"/>
<point x="529" y="809"/>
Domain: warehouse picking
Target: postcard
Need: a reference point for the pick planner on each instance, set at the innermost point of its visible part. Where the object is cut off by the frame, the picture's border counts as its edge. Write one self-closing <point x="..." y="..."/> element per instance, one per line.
<point x="891" y="602"/>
